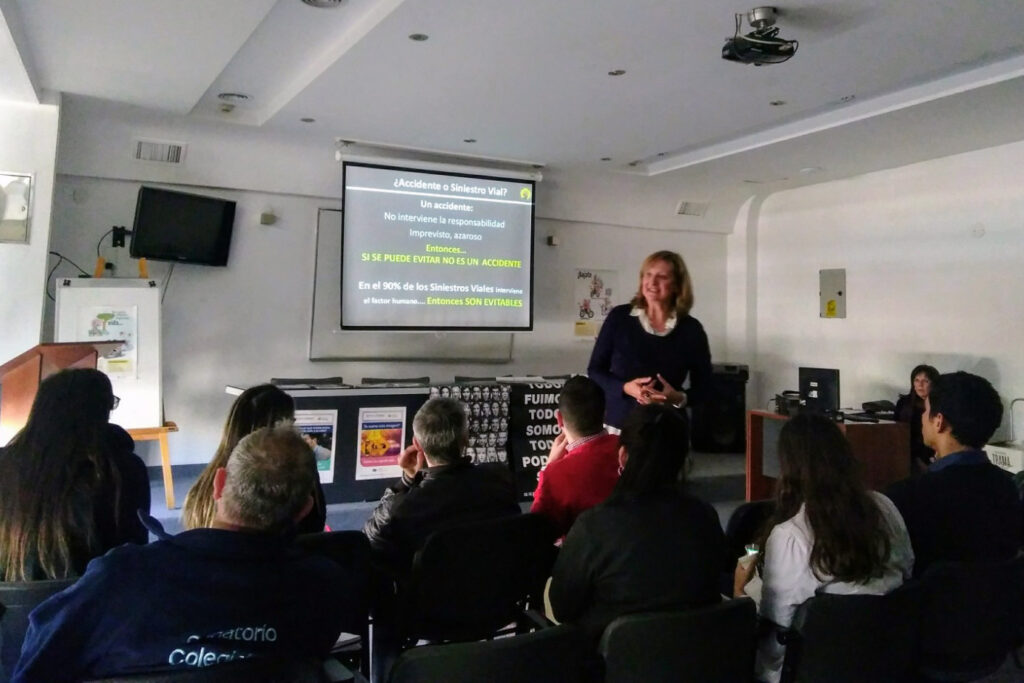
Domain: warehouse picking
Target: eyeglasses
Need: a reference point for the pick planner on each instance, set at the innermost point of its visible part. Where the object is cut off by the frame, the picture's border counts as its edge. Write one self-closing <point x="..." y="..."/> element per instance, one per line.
<point x="115" y="403"/>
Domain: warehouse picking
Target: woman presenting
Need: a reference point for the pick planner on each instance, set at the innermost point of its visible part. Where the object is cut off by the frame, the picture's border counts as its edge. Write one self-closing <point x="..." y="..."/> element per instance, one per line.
<point x="647" y="347"/>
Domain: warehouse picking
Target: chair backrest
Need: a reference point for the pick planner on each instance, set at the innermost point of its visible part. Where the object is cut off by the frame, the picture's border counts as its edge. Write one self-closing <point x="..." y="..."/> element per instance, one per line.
<point x="269" y="669"/>
<point x="972" y="616"/>
<point x="469" y="580"/>
<point x="351" y="550"/>
<point x="550" y="655"/>
<point x="707" y="645"/>
<point x="856" y="638"/>
<point x="745" y="524"/>
<point x="405" y="381"/>
<point x="17" y="599"/>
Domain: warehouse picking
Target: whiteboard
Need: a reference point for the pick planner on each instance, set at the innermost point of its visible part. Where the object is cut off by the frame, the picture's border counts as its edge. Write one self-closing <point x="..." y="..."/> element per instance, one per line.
<point x="111" y="309"/>
<point x="327" y="341"/>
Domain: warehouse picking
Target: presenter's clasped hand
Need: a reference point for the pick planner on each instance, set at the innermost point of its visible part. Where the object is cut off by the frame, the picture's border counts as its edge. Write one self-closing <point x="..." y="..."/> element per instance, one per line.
<point x="640" y="389"/>
<point x="670" y="394"/>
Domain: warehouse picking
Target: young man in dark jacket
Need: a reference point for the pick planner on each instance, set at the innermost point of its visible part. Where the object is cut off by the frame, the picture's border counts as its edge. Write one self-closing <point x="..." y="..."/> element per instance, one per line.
<point x="963" y="508"/>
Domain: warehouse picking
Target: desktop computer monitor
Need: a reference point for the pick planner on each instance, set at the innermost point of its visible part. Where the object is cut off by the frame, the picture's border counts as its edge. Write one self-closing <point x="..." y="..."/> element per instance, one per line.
<point x="819" y="390"/>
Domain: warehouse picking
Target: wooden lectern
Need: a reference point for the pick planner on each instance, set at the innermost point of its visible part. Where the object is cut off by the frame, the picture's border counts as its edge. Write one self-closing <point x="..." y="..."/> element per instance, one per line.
<point x="20" y="377"/>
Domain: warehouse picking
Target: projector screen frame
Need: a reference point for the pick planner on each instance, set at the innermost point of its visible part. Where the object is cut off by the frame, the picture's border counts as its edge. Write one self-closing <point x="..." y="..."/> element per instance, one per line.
<point x="452" y="172"/>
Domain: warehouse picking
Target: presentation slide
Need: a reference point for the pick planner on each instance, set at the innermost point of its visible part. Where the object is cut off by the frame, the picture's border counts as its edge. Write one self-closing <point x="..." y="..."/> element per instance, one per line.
<point x="438" y="251"/>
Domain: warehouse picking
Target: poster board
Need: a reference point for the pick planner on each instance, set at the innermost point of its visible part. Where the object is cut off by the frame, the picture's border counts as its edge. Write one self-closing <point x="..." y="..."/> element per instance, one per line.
<point x="126" y="310"/>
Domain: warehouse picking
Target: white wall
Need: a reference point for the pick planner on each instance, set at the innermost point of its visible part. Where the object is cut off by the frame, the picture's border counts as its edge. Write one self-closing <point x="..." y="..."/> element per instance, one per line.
<point x="933" y="254"/>
<point x="249" y="321"/>
<point x="28" y="144"/>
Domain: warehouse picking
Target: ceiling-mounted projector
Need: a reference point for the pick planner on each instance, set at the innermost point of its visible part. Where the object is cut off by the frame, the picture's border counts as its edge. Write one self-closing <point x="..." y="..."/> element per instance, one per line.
<point x="762" y="45"/>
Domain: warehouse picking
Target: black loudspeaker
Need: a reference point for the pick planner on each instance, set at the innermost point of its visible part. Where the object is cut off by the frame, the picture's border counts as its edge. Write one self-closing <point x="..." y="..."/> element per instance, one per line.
<point x="719" y="421"/>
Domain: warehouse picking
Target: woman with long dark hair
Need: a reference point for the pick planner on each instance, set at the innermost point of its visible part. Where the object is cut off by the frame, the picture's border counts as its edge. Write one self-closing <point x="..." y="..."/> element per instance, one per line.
<point x="70" y="484"/>
<point x="828" y="532"/>
<point x="909" y="409"/>
<point x="651" y="545"/>
<point x="263" y="405"/>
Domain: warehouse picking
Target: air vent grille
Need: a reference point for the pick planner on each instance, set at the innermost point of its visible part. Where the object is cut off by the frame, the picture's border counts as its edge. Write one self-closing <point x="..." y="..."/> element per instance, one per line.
<point x="159" y="151"/>
<point x="688" y="208"/>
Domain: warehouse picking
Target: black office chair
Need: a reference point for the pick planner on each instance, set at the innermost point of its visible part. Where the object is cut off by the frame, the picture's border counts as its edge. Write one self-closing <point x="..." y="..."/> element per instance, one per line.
<point x="550" y="655"/>
<point x="971" y="618"/>
<point x="17" y="599"/>
<point x="397" y="381"/>
<point x="470" y="580"/>
<point x="254" y="670"/>
<point x="351" y="550"/>
<point x="707" y="645"/>
<point x="855" y="638"/>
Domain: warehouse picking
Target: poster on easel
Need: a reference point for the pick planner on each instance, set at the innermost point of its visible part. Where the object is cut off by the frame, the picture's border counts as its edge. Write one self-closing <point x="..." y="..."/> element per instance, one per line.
<point x="106" y="323"/>
<point x="125" y="310"/>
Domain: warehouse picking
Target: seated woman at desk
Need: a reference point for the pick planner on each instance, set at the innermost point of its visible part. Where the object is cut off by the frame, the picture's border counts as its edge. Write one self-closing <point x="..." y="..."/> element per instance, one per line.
<point x="827" y="533"/>
<point x="909" y="409"/>
<point x="263" y="405"/>
<point x="651" y="545"/>
<point x="70" y="484"/>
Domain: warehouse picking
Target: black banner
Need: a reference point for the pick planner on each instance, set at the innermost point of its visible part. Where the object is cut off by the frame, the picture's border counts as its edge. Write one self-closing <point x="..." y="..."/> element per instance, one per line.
<point x="532" y="429"/>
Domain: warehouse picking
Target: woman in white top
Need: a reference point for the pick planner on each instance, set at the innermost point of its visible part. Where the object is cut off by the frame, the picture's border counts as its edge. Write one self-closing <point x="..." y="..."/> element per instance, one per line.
<point x="828" y="533"/>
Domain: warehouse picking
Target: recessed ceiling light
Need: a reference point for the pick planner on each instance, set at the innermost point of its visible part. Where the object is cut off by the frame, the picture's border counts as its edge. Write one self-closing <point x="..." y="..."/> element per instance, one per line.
<point x="323" y="4"/>
<point x="307" y="119"/>
<point x="233" y="96"/>
<point x="470" y="140"/>
<point x="418" y="37"/>
<point x="808" y="170"/>
<point x="606" y="158"/>
<point x="847" y="98"/>
<point x="661" y="154"/>
<point x="634" y="164"/>
<point x="616" y="72"/>
<point x="777" y="103"/>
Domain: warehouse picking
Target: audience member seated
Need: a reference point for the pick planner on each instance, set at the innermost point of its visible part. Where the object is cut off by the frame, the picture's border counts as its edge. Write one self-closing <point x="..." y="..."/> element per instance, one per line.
<point x="828" y="534"/>
<point x="651" y="545"/>
<point x="206" y="596"/>
<point x="70" y="484"/>
<point x="963" y="507"/>
<point x="583" y="466"/>
<point x="263" y="405"/>
<point x="439" y="486"/>
<point x="909" y="408"/>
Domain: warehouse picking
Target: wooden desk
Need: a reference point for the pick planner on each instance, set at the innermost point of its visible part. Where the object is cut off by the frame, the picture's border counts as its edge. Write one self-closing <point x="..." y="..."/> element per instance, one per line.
<point x="883" y="448"/>
<point x="160" y="434"/>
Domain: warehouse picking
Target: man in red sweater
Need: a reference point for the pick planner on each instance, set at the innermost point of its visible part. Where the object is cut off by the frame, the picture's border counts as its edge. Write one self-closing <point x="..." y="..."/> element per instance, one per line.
<point x="583" y="466"/>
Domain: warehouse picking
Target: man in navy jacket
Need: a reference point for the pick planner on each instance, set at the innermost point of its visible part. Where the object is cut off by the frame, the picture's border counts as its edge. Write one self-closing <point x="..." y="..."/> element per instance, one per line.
<point x="963" y="508"/>
<point x="206" y="596"/>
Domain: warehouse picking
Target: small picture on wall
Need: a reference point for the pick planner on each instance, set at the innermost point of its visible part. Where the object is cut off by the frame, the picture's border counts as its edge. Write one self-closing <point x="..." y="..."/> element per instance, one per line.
<point x="15" y="200"/>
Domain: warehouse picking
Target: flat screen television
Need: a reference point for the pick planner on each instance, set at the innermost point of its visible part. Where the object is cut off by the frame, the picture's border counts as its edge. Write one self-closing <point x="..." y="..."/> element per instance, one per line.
<point x="819" y="390"/>
<point x="434" y="250"/>
<point x="177" y="226"/>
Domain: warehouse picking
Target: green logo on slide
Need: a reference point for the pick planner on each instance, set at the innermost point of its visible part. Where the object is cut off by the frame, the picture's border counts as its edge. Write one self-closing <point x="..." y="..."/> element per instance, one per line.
<point x="524" y="193"/>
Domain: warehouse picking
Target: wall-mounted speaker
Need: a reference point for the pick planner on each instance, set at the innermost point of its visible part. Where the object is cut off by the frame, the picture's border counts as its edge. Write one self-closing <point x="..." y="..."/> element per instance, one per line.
<point x="720" y="422"/>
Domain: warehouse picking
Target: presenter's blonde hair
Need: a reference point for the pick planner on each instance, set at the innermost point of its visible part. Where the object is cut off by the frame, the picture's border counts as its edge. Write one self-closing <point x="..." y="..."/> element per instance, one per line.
<point x="681" y="282"/>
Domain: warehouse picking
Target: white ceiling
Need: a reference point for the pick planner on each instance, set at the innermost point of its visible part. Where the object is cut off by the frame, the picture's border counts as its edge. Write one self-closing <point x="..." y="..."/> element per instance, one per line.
<point x="528" y="80"/>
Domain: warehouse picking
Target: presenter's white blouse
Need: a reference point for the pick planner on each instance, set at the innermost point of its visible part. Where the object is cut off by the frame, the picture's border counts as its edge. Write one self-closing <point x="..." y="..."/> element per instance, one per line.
<point x="788" y="579"/>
